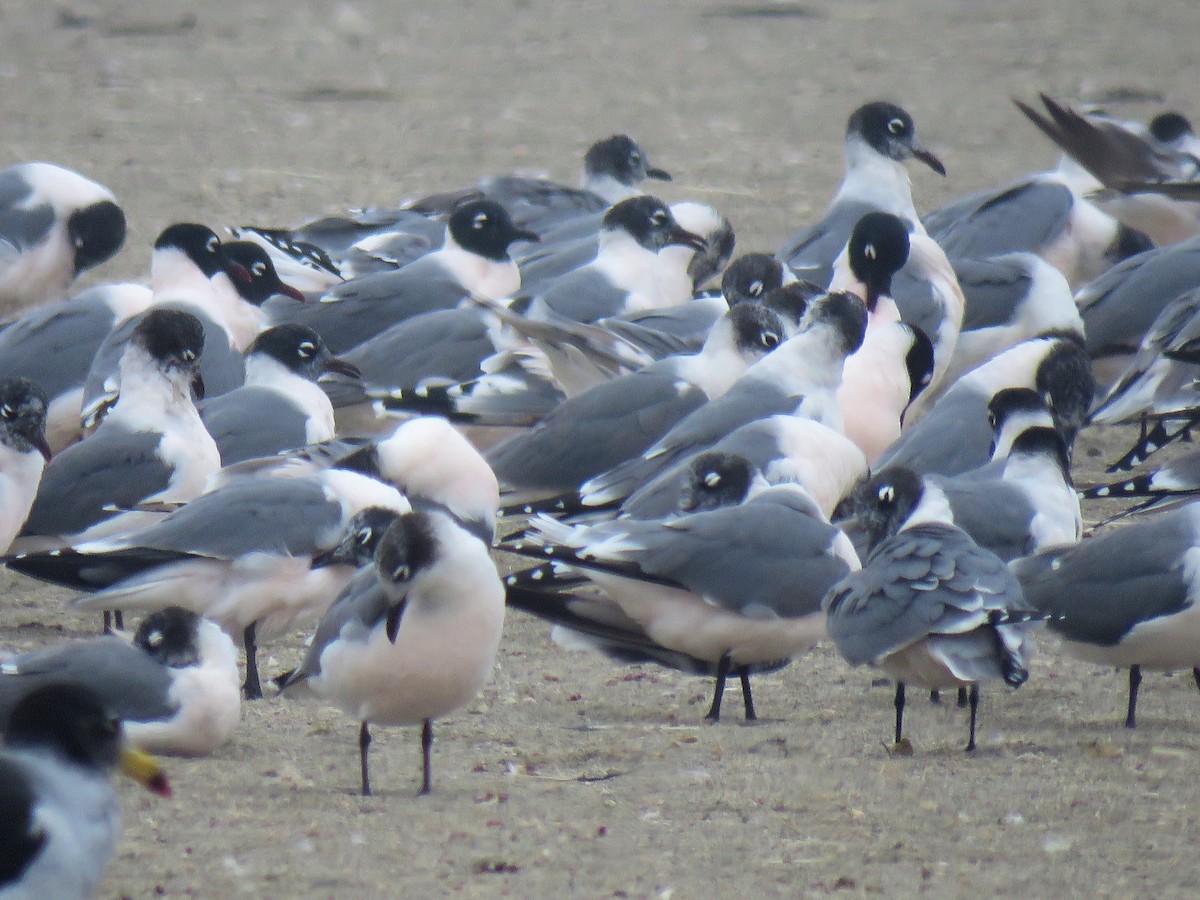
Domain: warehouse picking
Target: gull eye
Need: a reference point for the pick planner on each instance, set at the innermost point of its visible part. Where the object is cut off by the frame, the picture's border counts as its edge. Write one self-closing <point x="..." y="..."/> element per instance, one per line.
<point x="770" y="340"/>
<point x="155" y="639"/>
<point x="259" y="269"/>
<point x="712" y="479"/>
<point x="212" y="244"/>
<point x="635" y="157"/>
<point x="364" y="536"/>
<point x="188" y="355"/>
<point x="401" y="573"/>
<point x="480" y="220"/>
<point x="307" y="349"/>
<point x="896" y="126"/>
<point x="658" y="217"/>
<point x="991" y="420"/>
<point x="887" y="495"/>
<point x="755" y="289"/>
<point x="870" y="252"/>
<point x="7" y="411"/>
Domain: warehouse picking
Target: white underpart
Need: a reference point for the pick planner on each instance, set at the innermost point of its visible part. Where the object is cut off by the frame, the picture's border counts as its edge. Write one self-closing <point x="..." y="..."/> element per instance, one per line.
<point x="933" y="508"/>
<point x="822" y="461"/>
<point x="20" y="473"/>
<point x="875" y="388"/>
<point x="208" y="696"/>
<point x="653" y="280"/>
<point x="1079" y="251"/>
<point x="174" y="278"/>
<point x="479" y="276"/>
<point x="445" y="647"/>
<point x="1058" y="519"/>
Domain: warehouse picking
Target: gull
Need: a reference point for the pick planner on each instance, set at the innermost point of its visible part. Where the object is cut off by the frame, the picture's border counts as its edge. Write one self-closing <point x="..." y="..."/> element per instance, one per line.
<point x="422" y="645"/>
<point x="929" y="606"/>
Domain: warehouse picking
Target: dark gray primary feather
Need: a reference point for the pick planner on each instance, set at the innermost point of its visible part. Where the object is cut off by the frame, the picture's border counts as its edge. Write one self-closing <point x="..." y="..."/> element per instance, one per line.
<point x="928" y="579"/>
<point x="114" y="468"/>
<point x="128" y="681"/>
<point x="1097" y="591"/>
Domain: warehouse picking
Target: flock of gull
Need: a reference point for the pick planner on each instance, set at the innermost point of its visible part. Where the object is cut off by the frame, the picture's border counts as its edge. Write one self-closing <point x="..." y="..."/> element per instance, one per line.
<point x="864" y="437"/>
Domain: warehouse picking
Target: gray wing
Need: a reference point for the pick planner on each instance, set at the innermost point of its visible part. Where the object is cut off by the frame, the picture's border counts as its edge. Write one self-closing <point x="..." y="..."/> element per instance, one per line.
<point x="747" y="401"/>
<point x="594" y="431"/>
<point x="671" y="331"/>
<point x="545" y="264"/>
<point x="930" y="579"/>
<point x="810" y="253"/>
<point x="357" y="310"/>
<point x="954" y="437"/>
<point x="997" y="515"/>
<point x="221" y="366"/>
<point x="130" y="683"/>
<point x="1097" y="591"/>
<point x="447" y="345"/>
<point x="994" y="289"/>
<point x="114" y="467"/>
<point x="1023" y="217"/>
<point x="770" y="557"/>
<point x="581" y="296"/>
<point x="268" y="514"/>
<point x="360" y="606"/>
<point x="251" y="422"/>
<point x="54" y="347"/>
<point x="1119" y="307"/>
<point x="21" y="226"/>
<point x="757" y="442"/>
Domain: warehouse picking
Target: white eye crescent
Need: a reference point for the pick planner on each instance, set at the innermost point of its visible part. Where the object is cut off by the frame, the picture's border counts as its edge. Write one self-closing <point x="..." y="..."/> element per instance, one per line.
<point x="887" y="494"/>
<point x="155" y="639"/>
<point x="364" y="536"/>
<point x="259" y="269"/>
<point x="188" y="355"/>
<point x="896" y="126"/>
<point x="307" y="349"/>
<point x="401" y="573"/>
<point x="7" y="412"/>
<point x="480" y="220"/>
<point x="212" y="244"/>
<point x="712" y="479"/>
<point x="770" y="339"/>
<point x="870" y="252"/>
<point x="659" y="217"/>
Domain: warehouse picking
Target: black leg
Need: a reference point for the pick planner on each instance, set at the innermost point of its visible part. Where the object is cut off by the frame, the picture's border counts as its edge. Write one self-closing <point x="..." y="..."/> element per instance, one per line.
<point x="1196" y="675"/>
<point x="747" y="699"/>
<point x="427" y="766"/>
<point x="118" y="620"/>
<point x="899" y="703"/>
<point x="252" y="689"/>
<point x="364" y="744"/>
<point x="714" y="711"/>
<point x="107" y="622"/>
<point x="963" y="697"/>
<point x="973" y="702"/>
<point x="935" y="697"/>
<point x="1135" y="679"/>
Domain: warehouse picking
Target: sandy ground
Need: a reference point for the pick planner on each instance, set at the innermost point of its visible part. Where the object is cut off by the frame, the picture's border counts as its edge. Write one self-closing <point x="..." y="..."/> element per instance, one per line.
<point x="570" y="776"/>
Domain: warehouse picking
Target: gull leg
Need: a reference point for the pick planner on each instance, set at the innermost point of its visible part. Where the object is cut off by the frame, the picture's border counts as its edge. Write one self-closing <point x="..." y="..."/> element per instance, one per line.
<point x="252" y="689"/>
<point x="898" y="702"/>
<point x="747" y="699"/>
<point x="973" y="701"/>
<point x="714" y="711"/>
<point x="364" y="744"/>
<point x="426" y="747"/>
<point x="1135" y="679"/>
